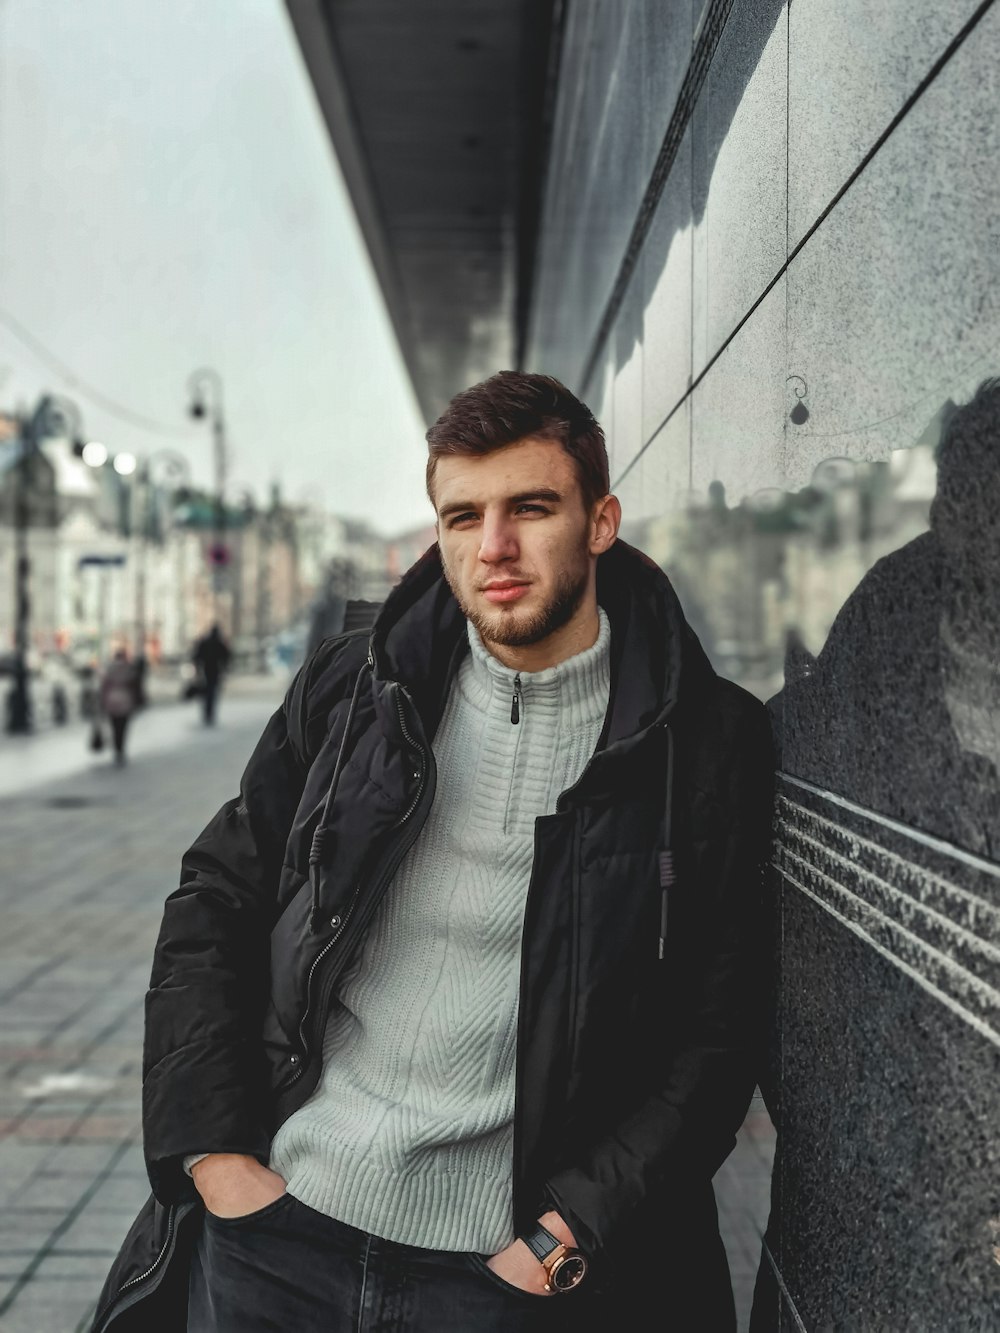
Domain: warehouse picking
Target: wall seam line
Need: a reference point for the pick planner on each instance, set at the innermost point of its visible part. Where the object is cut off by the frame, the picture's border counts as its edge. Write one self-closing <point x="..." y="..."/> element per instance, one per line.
<point x="784" y="1290"/>
<point x="970" y="1019"/>
<point x="897" y="120"/>
<point x="917" y="835"/>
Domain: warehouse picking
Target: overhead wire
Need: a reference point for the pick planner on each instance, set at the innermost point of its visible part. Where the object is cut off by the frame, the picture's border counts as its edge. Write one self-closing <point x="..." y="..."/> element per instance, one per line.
<point x="75" y="381"/>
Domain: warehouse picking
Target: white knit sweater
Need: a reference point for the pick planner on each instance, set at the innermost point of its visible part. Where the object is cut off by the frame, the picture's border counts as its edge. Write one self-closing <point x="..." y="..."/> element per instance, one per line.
<point x="409" y="1132"/>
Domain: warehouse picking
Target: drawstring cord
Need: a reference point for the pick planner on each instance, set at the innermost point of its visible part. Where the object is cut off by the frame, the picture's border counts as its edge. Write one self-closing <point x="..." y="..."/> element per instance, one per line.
<point x="668" y="870"/>
<point x="319" y="835"/>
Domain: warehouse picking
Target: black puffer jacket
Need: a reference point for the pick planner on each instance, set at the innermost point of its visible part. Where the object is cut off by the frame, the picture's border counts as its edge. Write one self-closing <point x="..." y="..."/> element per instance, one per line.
<point x="633" y="1072"/>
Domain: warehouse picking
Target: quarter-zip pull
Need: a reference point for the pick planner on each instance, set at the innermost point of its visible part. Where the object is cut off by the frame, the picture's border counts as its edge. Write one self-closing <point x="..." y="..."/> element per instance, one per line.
<point x="515" y="703"/>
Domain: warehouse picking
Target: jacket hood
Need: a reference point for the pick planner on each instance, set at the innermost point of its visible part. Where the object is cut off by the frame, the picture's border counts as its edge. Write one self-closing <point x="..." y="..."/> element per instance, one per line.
<point x="657" y="661"/>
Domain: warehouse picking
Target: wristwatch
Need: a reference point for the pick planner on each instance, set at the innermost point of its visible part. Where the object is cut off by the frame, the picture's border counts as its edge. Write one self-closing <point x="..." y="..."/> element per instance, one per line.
<point x="565" y="1267"/>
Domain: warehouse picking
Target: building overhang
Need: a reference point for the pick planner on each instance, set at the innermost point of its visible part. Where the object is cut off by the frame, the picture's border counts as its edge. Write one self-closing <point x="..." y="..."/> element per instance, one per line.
<point x="438" y="113"/>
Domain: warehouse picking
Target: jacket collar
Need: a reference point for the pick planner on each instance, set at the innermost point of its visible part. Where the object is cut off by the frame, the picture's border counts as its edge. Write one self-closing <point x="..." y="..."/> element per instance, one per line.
<point x="657" y="662"/>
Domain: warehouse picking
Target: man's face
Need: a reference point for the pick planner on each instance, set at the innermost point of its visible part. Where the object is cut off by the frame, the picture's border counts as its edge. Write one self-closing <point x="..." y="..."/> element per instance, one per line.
<point x="515" y="539"/>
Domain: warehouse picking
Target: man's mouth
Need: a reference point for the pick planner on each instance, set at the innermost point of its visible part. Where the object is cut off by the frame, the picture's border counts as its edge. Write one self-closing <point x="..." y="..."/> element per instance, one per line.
<point x="504" y="590"/>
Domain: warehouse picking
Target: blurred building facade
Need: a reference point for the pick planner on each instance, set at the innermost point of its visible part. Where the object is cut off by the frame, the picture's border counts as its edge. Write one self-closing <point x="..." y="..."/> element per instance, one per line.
<point x="753" y="236"/>
<point x="128" y="561"/>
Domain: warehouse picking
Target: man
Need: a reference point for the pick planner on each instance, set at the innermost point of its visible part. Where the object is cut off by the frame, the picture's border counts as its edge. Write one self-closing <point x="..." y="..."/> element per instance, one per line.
<point x="211" y="656"/>
<point x="456" y="998"/>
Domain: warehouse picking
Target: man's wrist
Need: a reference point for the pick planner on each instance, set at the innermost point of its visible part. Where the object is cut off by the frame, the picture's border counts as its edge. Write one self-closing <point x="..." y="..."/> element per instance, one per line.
<point x="552" y="1221"/>
<point x="212" y="1163"/>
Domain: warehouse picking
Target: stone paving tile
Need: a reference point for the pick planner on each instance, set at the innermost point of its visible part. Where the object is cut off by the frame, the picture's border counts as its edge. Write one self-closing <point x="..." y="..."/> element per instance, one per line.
<point x="25" y="1229"/>
<point x="47" y="1305"/>
<point x="85" y="863"/>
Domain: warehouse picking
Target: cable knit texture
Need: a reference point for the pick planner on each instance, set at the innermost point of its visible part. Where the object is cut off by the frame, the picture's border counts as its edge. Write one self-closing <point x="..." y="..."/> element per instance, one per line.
<point x="409" y="1133"/>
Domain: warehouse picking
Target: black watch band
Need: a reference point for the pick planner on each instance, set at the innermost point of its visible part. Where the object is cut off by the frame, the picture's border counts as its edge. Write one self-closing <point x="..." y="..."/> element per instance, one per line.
<point x="541" y="1242"/>
<point x="565" y="1267"/>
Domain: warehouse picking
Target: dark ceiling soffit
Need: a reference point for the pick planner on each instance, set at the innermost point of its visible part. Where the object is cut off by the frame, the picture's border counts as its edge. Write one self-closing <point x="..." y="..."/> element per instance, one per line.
<point x="540" y="85"/>
<point x="323" y="63"/>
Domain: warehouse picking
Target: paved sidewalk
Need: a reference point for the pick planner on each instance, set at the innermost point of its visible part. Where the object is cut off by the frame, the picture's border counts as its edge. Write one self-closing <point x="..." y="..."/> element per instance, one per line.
<point x="85" y="863"/>
<point x="58" y="752"/>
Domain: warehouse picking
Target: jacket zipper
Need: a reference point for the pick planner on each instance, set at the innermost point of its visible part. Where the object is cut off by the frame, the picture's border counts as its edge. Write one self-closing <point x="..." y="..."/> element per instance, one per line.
<point x="391" y="869"/>
<point x="515" y="703"/>
<point x="667" y="865"/>
<point x="574" y="942"/>
<point x="142" y="1277"/>
<point x="518" y="1171"/>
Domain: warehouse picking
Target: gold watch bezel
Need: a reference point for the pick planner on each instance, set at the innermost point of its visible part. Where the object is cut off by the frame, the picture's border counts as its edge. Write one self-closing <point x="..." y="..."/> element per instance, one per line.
<point x="554" y="1261"/>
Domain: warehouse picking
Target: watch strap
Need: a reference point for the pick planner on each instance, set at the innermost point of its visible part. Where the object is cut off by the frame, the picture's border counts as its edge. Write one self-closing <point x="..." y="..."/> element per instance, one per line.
<point x="541" y="1242"/>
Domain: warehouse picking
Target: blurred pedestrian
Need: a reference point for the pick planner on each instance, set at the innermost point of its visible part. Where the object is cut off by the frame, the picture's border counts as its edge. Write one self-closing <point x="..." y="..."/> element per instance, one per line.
<point x="212" y="656"/>
<point x="120" y="692"/>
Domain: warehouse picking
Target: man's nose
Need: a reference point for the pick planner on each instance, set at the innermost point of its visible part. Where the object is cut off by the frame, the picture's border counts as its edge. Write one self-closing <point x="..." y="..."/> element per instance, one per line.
<point x="499" y="541"/>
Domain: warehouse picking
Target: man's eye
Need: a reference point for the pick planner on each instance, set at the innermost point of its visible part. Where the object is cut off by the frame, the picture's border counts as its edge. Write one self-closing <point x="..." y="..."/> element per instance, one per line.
<point x="460" y="518"/>
<point x="533" y="509"/>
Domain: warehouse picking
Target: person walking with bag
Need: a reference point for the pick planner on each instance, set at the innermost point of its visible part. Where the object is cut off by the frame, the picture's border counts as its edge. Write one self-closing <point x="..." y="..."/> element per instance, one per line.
<point x="120" y="695"/>
<point x="452" y="1018"/>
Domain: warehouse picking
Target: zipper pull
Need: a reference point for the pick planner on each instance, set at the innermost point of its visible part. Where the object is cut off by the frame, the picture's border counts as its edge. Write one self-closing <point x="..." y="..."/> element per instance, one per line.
<point x="515" y="703"/>
<point x="668" y="876"/>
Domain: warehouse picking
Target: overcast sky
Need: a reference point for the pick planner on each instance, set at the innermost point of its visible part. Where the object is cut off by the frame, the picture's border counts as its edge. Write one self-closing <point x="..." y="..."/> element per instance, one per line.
<point x="169" y="199"/>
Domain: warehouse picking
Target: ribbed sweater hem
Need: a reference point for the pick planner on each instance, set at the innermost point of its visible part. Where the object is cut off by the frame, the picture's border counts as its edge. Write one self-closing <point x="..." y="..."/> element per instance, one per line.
<point x="434" y="1210"/>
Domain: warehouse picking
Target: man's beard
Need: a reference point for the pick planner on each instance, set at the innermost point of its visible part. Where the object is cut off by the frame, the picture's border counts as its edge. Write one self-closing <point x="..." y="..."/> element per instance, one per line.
<point x="509" y="631"/>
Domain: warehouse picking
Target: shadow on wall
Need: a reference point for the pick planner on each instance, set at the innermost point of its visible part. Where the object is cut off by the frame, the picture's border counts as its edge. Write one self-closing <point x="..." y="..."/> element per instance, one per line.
<point x="900" y="711"/>
<point x="746" y="30"/>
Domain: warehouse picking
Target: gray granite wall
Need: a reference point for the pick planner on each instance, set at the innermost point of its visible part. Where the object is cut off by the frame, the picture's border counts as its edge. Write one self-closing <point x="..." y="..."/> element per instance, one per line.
<point x="770" y="261"/>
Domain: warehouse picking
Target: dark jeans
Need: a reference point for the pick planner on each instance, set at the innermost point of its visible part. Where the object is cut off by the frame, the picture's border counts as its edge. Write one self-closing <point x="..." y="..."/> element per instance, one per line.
<point x="119" y="726"/>
<point x="209" y="699"/>
<point x="289" y="1269"/>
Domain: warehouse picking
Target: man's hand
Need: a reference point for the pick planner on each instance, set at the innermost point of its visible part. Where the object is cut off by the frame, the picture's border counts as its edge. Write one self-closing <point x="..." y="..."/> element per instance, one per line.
<point x="232" y="1185"/>
<point x="518" y="1266"/>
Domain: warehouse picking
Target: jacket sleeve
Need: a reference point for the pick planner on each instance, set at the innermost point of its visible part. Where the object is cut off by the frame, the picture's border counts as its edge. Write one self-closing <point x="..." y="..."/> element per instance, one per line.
<point x="203" y="1072"/>
<point x="682" y="1133"/>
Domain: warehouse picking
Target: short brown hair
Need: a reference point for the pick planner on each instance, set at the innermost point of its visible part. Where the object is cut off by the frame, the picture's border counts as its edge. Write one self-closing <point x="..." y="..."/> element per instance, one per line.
<point x="512" y="406"/>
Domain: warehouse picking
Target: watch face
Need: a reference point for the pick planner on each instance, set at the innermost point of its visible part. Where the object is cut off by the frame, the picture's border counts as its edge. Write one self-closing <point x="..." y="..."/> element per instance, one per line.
<point x="567" y="1272"/>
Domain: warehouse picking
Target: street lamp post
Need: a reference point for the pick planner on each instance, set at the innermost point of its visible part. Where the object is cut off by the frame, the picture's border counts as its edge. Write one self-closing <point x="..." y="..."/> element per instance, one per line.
<point x="53" y="416"/>
<point x="174" y="466"/>
<point x="205" y="390"/>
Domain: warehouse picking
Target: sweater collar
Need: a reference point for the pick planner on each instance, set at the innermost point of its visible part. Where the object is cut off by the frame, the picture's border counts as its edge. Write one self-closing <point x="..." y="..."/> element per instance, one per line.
<point x="577" y="687"/>
<point x="657" y="663"/>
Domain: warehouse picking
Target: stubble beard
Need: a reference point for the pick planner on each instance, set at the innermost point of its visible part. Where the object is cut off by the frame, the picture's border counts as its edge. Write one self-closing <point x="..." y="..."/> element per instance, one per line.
<point x="510" y="630"/>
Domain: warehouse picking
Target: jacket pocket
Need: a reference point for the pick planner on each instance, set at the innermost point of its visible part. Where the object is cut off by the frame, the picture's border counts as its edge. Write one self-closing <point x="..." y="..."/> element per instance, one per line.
<point x="479" y="1265"/>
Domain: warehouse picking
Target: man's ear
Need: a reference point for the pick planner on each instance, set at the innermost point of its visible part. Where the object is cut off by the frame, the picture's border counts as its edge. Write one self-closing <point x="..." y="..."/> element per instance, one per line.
<point x="604" y="524"/>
